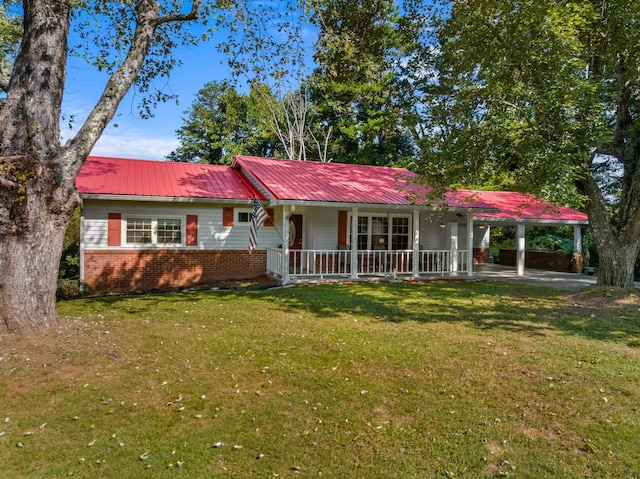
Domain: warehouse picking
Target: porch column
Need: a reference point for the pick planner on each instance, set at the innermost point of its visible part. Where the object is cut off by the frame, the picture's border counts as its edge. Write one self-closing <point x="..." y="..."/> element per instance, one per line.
<point x="577" y="239"/>
<point x="416" y="243"/>
<point x="454" y="246"/>
<point x="469" y="244"/>
<point x="354" y="243"/>
<point x="520" y="247"/>
<point x="286" y="214"/>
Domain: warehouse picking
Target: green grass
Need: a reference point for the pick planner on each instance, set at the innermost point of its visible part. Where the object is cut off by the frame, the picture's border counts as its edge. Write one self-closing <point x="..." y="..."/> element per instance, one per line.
<point x="380" y="380"/>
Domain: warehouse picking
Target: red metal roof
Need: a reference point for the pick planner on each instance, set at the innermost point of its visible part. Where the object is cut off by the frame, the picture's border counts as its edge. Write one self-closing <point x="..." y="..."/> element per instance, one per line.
<point x="302" y="181"/>
<point x="520" y="206"/>
<point x="120" y="176"/>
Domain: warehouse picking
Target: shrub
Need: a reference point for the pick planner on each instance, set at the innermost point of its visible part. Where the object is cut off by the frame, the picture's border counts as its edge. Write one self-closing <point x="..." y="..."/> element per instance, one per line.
<point x="68" y="289"/>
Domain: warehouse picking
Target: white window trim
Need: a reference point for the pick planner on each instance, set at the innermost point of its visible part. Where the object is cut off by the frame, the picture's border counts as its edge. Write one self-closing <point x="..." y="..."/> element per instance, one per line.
<point x="154" y="231"/>
<point x="237" y="215"/>
<point x="389" y="216"/>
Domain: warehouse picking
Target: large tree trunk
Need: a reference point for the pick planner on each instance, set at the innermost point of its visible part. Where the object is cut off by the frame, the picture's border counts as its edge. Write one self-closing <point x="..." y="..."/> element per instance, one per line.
<point x="29" y="262"/>
<point x="617" y="249"/>
<point x="36" y="194"/>
<point x="37" y="175"/>
<point x="617" y="264"/>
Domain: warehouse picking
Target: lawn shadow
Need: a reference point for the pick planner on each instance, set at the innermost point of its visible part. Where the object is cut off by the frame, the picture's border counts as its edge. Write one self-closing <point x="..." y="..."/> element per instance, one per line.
<point x="485" y="305"/>
<point x="530" y="310"/>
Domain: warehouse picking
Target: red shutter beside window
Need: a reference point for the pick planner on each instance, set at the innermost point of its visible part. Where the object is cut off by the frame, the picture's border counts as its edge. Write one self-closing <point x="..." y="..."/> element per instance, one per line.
<point x="192" y="230"/>
<point x="269" y="220"/>
<point x="113" y="229"/>
<point x="342" y="227"/>
<point x="227" y="216"/>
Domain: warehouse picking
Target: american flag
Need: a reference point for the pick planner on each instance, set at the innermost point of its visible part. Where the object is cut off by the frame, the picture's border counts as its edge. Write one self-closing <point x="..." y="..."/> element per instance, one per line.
<point x="258" y="216"/>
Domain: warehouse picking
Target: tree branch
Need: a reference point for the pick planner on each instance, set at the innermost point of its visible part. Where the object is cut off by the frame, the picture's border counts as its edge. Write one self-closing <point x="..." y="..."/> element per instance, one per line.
<point x="8" y="183"/>
<point x="192" y="15"/>
<point x="148" y="20"/>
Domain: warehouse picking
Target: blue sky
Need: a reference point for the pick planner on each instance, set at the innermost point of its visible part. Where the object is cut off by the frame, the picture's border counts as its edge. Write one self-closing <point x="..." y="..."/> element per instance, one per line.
<point x="128" y="135"/>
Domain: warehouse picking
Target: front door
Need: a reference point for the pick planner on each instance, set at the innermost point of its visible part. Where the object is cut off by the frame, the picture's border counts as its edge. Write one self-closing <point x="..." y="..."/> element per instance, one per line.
<point x="295" y="239"/>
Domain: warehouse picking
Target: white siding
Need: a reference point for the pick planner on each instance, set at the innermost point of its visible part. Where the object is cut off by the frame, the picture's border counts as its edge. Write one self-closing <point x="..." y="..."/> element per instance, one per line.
<point x="320" y="226"/>
<point x="211" y="233"/>
<point x="429" y="234"/>
<point x="326" y="228"/>
<point x="481" y="236"/>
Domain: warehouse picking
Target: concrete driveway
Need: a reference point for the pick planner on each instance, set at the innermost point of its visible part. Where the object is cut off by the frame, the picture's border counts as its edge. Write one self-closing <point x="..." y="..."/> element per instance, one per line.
<point x="534" y="277"/>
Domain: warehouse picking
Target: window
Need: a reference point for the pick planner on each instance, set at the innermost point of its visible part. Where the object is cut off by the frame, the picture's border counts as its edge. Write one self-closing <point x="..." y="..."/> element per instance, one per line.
<point x="363" y="232"/>
<point x="400" y="233"/>
<point x="379" y="232"/>
<point x="374" y="232"/>
<point x="139" y="230"/>
<point x="244" y="216"/>
<point x="154" y="231"/>
<point x="169" y="232"/>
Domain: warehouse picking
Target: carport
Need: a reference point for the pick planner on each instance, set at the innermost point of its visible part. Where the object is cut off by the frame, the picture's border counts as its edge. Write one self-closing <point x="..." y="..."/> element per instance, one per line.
<point x="522" y="210"/>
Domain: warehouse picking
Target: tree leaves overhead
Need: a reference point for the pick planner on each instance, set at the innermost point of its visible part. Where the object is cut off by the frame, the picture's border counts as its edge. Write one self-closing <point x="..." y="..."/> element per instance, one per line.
<point x="222" y="123"/>
<point x="543" y="96"/>
<point x="360" y="87"/>
<point x="10" y="35"/>
<point x="252" y="35"/>
<point x="104" y="30"/>
<point x="514" y="94"/>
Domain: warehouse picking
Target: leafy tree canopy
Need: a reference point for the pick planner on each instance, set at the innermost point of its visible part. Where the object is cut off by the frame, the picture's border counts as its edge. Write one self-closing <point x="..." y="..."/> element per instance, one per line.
<point x="222" y="123"/>
<point x="360" y="87"/>
<point x="542" y="96"/>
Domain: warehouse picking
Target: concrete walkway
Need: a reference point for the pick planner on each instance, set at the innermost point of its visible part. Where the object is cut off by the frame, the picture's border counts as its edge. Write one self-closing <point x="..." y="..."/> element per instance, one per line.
<point x="534" y="277"/>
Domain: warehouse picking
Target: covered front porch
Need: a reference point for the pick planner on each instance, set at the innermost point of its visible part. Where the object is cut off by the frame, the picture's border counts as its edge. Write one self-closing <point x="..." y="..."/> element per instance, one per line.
<point x="365" y="264"/>
<point x="371" y="243"/>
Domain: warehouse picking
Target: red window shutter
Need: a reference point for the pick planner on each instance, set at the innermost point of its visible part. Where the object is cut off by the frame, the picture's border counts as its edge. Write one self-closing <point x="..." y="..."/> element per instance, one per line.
<point x="269" y="220"/>
<point x="342" y="227"/>
<point x="227" y="216"/>
<point x="113" y="229"/>
<point x="192" y="230"/>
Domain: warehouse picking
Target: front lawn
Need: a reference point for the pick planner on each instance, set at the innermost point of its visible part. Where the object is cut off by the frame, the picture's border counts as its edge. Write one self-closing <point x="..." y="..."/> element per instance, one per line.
<point x="380" y="380"/>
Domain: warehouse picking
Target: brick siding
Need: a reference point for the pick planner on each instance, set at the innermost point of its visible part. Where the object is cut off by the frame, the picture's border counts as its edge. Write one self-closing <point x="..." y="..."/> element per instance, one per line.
<point x="561" y="262"/>
<point x="481" y="255"/>
<point x="122" y="271"/>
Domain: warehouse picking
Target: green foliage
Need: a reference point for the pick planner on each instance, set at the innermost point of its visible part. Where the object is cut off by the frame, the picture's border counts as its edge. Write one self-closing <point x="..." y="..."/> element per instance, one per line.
<point x="544" y="97"/>
<point x="10" y="36"/>
<point x="551" y="244"/>
<point x="68" y="289"/>
<point x="222" y="123"/>
<point x="70" y="259"/>
<point x="527" y="94"/>
<point x="515" y="106"/>
<point x="360" y="87"/>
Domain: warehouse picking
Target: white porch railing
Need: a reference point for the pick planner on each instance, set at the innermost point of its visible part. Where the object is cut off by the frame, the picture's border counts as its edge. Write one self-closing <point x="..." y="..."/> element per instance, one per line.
<point x="337" y="263"/>
<point x="275" y="262"/>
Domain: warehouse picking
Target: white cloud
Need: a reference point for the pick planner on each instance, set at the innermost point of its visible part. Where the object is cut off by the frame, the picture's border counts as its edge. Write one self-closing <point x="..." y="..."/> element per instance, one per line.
<point x="134" y="146"/>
